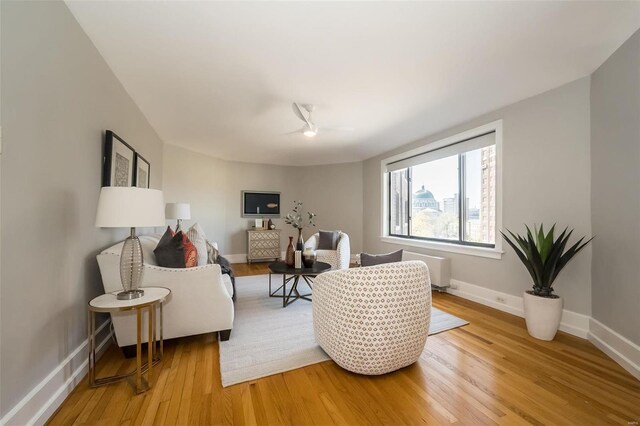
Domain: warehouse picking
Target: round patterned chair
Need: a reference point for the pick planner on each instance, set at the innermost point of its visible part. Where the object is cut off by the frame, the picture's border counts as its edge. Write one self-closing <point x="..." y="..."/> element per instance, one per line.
<point x="338" y="258"/>
<point x="373" y="320"/>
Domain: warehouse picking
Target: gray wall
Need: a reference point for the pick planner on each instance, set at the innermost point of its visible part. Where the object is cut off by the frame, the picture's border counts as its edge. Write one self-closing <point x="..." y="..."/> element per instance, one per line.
<point x="334" y="193"/>
<point x="615" y="190"/>
<point x="58" y="98"/>
<point x="546" y="179"/>
<point x="212" y="186"/>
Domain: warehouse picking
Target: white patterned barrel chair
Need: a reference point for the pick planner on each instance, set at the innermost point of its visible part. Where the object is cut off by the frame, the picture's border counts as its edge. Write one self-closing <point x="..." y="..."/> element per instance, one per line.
<point x="338" y="258"/>
<point x="373" y="320"/>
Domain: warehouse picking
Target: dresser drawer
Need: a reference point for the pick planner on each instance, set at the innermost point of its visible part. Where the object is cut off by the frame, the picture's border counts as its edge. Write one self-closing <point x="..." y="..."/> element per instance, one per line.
<point x="264" y="253"/>
<point x="263" y="244"/>
<point x="264" y="235"/>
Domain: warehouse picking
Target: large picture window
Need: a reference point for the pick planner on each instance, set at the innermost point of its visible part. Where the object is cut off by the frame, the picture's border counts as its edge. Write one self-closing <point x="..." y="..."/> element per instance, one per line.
<point x="446" y="194"/>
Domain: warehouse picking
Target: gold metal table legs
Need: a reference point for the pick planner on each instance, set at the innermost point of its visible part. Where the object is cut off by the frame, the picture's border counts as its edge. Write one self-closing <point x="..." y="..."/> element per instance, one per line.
<point x="154" y="353"/>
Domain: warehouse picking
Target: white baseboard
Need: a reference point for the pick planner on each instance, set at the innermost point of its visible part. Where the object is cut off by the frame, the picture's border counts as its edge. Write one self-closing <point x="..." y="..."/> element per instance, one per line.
<point x="572" y="322"/>
<point x="622" y="350"/>
<point x="235" y="258"/>
<point x="44" y="399"/>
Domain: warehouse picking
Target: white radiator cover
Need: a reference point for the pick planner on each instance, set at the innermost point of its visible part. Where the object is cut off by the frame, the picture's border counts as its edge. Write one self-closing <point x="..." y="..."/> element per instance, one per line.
<point x="439" y="267"/>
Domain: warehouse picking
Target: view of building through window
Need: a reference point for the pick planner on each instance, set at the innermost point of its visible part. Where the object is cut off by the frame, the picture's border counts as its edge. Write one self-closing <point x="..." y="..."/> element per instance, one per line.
<point x="433" y="209"/>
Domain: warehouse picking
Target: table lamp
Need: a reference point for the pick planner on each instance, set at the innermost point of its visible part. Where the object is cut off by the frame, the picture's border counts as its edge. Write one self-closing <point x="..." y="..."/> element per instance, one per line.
<point x="178" y="211"/>
<point x="130" y="207"/>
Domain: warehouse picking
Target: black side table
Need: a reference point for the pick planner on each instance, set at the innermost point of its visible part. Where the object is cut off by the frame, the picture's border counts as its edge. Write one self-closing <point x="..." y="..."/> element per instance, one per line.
<point x="307" y="275"/>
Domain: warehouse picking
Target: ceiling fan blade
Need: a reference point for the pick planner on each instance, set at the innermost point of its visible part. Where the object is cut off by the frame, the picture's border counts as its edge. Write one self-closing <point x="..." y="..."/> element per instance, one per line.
<point x="299" y="131"/>
<point x="298" y="112"/>
<point x="337" y="129"/>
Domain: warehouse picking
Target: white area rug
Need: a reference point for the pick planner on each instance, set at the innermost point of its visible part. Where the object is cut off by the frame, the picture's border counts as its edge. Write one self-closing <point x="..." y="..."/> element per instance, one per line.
<point x="268" y="339"/>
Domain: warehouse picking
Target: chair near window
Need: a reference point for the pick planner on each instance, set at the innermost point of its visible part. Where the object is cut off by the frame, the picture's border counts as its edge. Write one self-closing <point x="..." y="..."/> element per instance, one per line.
<point x="338" y="258"/>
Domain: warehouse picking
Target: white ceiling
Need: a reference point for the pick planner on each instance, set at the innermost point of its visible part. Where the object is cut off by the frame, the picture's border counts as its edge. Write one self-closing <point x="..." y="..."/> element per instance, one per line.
<point x="219" y="78"/>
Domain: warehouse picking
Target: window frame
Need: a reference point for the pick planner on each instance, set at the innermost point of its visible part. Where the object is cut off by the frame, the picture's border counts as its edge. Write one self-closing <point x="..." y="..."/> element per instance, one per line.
<point x="455" y="246"/>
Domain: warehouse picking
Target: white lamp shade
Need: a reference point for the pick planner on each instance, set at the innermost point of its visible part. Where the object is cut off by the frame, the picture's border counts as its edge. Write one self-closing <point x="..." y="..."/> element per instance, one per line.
<point x="130" y="207"/>
<point x="180" y="211"/>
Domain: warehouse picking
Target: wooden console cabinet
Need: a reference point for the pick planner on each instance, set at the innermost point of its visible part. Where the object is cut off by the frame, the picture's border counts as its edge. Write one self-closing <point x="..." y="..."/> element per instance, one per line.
<point x="263" y="245"/>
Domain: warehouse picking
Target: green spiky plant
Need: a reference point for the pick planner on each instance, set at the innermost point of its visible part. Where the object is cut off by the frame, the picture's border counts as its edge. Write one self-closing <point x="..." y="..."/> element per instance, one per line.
<point x="544" y="256"/>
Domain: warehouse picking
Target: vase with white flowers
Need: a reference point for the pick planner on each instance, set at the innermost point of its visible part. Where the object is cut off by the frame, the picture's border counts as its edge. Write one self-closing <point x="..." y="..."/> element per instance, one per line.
<point x="299" y="220"/>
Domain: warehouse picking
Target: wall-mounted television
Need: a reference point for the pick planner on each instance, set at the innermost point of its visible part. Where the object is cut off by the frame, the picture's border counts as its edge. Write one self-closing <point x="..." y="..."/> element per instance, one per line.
<point x="260" y="204"/>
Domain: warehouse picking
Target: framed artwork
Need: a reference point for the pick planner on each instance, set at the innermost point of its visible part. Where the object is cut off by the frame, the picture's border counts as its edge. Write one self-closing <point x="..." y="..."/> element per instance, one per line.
<point x="260" y="204"/>
<point x="118" y="162"/>
<point x="143" y="172"/>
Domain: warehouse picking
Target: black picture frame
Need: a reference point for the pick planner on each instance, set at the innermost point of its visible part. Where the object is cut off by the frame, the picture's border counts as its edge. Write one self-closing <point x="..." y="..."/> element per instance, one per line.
<point x="261" y="204"/>
<point x="142" y="172"/>
<point x="118" y="161"/>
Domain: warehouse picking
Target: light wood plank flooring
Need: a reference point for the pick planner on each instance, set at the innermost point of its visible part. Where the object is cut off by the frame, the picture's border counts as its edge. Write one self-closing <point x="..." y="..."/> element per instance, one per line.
<point x="489" y="372"/>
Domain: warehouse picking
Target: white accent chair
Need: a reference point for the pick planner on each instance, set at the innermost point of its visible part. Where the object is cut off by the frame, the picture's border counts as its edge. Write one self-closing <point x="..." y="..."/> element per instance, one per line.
<point x="200" y="300"/>
<point x="339" y="258"/>
<point x="373" y="320"/>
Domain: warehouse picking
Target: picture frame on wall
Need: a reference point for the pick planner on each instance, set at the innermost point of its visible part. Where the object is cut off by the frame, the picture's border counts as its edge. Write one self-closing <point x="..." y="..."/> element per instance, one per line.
<point x="143" y="172"/>
<point x="118" y="161"/>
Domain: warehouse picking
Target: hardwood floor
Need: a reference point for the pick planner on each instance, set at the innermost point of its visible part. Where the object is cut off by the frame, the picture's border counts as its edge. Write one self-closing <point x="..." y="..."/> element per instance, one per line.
<point x="488" y="372"/>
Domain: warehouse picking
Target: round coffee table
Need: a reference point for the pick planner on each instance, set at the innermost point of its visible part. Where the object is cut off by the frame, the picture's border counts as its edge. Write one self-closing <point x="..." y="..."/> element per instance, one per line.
<point x="294" y="274"/>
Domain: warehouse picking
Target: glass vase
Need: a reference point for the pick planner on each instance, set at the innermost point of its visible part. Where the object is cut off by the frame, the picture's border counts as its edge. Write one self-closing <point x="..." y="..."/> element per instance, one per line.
<point x="300" y="241"/>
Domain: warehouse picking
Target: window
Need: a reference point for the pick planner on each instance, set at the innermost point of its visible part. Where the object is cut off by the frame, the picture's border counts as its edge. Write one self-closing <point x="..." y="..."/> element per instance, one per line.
<point x="447" y="194"/>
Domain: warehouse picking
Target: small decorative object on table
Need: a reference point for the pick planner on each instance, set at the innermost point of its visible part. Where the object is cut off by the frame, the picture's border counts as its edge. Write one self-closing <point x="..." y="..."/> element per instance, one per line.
<point x="309" y="257"/>
<point x="290" y="256"/>
<point x="270" y="225"/>
<point x="544" y="257"/>
<point x="295" y="219"/>
<point x="298" y="261"/>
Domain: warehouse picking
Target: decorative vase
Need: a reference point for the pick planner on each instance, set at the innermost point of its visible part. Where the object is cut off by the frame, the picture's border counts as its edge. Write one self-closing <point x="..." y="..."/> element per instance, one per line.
<point x="270" y="225"/>
<point x="542" y="315"/>
<point x="289" y="258"/>
<point x="300" y="242"/>
<point x="309" y="257"/>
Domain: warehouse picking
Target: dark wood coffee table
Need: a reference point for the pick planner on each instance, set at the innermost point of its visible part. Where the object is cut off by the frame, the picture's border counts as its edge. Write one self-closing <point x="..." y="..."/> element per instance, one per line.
<point x="294" y="274"/>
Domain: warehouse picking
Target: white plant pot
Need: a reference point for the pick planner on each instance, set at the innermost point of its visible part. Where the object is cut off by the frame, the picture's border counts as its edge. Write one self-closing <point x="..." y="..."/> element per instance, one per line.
<point x="542" y="315"/>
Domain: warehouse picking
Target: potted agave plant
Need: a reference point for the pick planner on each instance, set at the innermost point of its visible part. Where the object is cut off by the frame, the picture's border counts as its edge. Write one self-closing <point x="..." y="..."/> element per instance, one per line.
<point x="544" y="256"/>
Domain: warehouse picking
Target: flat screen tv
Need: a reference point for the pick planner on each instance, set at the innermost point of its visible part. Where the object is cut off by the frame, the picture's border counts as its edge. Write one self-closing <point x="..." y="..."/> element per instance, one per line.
<point x="260" y="204"/>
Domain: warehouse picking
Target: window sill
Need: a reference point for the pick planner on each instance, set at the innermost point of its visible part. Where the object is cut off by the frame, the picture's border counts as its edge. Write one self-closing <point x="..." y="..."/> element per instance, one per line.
<point x="491" y="253"/>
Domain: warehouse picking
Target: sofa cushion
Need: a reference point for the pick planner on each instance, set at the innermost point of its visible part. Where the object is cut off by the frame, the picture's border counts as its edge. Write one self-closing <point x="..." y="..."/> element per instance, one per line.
<point x="199" y="239"/>
<point x="212" y="252"/>
<point x="170" y="250"/>
<point x="190" y="251"/>
<point x="328" y="240"/>
<point x="379" y="259"/>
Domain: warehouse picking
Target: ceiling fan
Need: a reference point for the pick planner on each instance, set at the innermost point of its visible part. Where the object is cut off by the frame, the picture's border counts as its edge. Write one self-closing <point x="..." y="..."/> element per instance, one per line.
<point x="310" y="129"/>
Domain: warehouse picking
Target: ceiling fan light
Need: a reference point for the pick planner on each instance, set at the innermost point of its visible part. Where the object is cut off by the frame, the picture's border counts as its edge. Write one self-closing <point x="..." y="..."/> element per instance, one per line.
<point x="310" y="130"/>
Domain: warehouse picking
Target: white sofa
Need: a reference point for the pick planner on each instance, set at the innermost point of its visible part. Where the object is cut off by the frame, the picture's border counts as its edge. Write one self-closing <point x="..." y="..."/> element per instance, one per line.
<point x="200" y="300"/>
<point x="375" y="319"/>
<point x="339" y="258"/>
